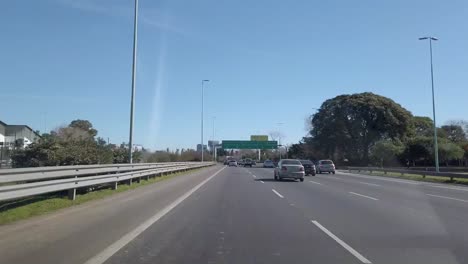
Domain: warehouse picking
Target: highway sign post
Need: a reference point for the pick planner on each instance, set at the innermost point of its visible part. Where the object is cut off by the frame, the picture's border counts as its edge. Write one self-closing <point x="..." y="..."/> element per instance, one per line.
<point x="249" y="144"/>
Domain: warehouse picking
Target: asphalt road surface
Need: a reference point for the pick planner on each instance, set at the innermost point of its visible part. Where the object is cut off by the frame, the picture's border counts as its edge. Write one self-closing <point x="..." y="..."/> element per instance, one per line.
<point x="240" y="215"/>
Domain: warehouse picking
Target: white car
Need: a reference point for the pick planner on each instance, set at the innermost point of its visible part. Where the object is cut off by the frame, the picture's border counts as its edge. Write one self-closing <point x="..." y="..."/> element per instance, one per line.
<point x="289" y="169"/>
<point x="232" y="163"/>
<point x="325" y="166"/>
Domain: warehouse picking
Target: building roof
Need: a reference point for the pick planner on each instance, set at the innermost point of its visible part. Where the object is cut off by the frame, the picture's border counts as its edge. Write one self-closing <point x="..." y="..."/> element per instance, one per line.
<point x="15" y="128"/>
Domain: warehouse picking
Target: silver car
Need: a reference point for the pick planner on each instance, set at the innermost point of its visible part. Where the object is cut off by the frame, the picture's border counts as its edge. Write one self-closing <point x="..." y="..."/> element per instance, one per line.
<point x="289" y="169"/>
<point x="232" y="163"/>
<point x="325" y="166"/>
<point x="268" y="164"/>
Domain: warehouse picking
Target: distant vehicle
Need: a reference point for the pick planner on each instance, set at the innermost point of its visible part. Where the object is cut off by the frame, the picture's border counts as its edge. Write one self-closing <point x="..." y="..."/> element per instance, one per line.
<point x="241" y="162"/>
<point x="325" y="166"/>
<point x="254" y="162"/>
<point x="309" y="167"/>
<point x="232" y="163"/>
<point x="226" y="162"/>
<point x="248" y="163"/>
<point x="268" y="164"/>
<point x="289" y="169"/>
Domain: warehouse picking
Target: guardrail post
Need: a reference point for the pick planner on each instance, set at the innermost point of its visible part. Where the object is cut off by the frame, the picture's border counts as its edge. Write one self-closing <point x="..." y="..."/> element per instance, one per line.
<point x="72" y="192"/>
<point x="114" y="186"/>
<point x="130" y="181"/>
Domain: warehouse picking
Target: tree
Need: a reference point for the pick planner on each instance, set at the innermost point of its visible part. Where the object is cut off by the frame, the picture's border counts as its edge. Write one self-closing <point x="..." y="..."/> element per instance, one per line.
<point x="349" y="125"/>
<point x="454" y="133"/>
<point x="418" y="149"/>
<point x="386" y="152"/>
<point x="423" y="126"/>
<point x="450" y="151"/>
<point x="84" y="125"/>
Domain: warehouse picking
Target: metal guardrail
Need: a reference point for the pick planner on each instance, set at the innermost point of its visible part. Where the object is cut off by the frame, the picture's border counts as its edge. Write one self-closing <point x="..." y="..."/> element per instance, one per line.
<point x="35" y="181"/>
<point x="423" y="173"/>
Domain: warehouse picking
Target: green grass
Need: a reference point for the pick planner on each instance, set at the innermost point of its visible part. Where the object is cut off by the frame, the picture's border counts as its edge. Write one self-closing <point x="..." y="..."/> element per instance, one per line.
<point x="47" y="204"/>
<point x="417" y="177"/>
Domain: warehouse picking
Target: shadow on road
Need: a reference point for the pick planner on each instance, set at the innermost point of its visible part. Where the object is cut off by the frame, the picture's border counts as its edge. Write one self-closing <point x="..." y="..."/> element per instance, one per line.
<point x="273" y="180"/>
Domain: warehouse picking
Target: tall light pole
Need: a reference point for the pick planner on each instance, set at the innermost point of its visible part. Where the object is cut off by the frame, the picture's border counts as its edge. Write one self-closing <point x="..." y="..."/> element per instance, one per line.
<point x="202" y="91"/>
<point x="132" y="100"/>
<point x="436" y="147"/>
<point x="279" y="137"/>
<point x="212" y="139"/>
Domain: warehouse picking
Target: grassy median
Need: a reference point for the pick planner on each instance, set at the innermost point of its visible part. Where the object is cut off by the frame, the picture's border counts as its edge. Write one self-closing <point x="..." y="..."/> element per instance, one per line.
<point x="416" y="177"/>
<point x="40" y="205"/>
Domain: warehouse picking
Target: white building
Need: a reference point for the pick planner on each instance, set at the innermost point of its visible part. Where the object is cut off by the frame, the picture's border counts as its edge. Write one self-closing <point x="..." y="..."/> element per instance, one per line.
<point x="16" y="135"/>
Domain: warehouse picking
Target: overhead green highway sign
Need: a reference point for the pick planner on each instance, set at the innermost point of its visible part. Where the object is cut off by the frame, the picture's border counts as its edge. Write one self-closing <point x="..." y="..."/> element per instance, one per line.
<point x="248" y="144"/>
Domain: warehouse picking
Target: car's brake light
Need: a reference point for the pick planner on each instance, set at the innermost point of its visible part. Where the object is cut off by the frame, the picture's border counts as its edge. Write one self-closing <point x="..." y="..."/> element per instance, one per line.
<point x="301" y="169"/>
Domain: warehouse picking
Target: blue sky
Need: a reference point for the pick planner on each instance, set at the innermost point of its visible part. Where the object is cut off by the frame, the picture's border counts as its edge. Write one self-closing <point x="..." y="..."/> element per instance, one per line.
<point x="268" y="61"/>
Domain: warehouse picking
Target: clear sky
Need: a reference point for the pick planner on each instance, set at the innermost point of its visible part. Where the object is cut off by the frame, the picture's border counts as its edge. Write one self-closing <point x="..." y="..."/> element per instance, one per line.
<point x="269" y="62"/>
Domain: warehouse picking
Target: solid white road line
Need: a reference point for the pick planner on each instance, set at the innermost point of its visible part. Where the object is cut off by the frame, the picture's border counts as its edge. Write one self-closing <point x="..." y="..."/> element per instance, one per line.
<point x="342" y="243"/>
<point x="445" y="197"/>
<point x="277" y="193"/>
<point x="370" y="184"/>
<point x="254" y="176"/>
<point x="119" y="244"/>
<point x="262" y="181"/>
<point x="381" y="178"/>
<point x="365" y="196"/>
<point x="448" y="187"/>
<point x="315" y="182"/>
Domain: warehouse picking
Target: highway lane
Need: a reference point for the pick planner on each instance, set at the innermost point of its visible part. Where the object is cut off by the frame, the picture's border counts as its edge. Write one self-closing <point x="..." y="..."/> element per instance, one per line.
<point x="234" y="219"/>
<point x="401" y="224"/>
<point x="75" y="234"/>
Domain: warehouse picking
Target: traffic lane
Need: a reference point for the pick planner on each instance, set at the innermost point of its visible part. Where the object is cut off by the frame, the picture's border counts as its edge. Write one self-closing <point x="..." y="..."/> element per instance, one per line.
<point x="75" y="234"/>
<point x="457" y="191"/>
<point x="450" y="210"/>
<point x="424" y="192"/>
<point x="233" y="219"/>
<point x="382" y="230"/>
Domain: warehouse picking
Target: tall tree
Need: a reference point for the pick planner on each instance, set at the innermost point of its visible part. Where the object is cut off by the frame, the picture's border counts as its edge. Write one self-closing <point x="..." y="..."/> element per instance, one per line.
<point x="352" y="124"/>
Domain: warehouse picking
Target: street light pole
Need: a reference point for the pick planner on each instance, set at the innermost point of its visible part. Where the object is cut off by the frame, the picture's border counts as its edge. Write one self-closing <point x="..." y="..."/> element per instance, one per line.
<point x="132" y="100"/>
<point x="212" y="140"/>
<point x="202" y="91"/>
<point x="436" y="147"/>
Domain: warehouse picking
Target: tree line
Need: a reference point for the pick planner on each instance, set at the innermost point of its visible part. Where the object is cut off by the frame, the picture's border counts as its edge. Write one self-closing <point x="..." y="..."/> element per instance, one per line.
<point x="368" y="129"/>
<point x="78" y="144"/>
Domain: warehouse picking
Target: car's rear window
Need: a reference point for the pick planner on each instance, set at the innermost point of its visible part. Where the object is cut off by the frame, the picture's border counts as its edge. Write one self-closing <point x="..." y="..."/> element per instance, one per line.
<point x="326" y="162"/>
<point x="291" y="162"/>
<point x="308" y="162"/>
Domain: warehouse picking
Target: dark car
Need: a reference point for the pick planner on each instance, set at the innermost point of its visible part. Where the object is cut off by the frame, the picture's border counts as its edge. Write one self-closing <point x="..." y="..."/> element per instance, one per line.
<point x="309" y="167"/>
<point x="248" y="163"/>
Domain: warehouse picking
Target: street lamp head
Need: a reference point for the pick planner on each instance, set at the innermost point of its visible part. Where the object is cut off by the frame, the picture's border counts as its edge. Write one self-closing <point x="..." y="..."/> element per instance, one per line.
<point x="205" y="80"/>
<point x="432" y="38"/>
